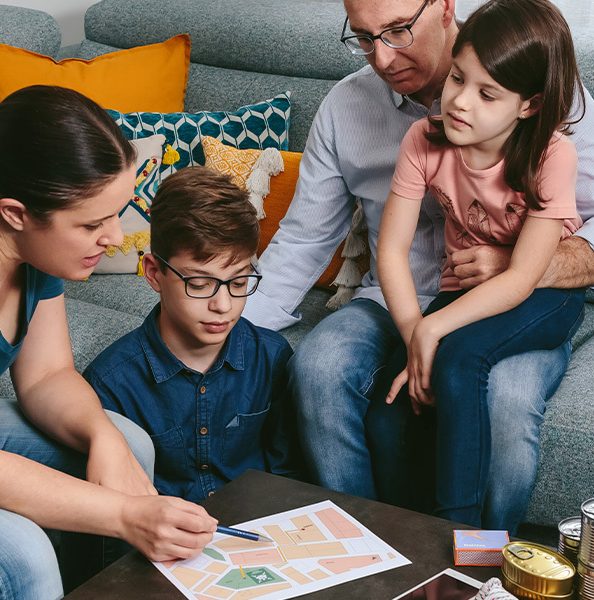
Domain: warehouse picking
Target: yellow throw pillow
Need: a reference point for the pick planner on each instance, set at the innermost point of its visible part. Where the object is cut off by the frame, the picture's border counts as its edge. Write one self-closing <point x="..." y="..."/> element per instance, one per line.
<point x="239" y="164"/>
<point x="145" y="78"/>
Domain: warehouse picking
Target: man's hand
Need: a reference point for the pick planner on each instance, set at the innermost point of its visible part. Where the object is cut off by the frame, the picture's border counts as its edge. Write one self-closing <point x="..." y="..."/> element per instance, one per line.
<point x="112" y="464"/>
<point x="166" y="528"/>
<point x="572" y="265"/>
<point x="478" y="264"/>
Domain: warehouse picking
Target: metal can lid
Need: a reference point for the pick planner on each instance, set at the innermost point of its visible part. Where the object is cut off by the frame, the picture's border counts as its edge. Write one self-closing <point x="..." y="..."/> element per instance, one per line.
<point x="588" y="508"/>
<point x="571" y="527"/>
<point x="538" y="568"/>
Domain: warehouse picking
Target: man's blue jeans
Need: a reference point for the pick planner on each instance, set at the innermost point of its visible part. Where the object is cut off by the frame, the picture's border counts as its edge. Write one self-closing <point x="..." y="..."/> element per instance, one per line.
<point x="333" y="375"/>
<point x="28" y="563"/>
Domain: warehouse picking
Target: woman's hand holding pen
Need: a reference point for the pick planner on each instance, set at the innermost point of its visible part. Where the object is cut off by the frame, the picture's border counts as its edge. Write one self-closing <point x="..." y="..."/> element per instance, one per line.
<point x="165" y="528"/>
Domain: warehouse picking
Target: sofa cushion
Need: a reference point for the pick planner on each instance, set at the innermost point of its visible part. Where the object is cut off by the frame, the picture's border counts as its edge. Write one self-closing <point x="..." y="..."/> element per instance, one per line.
<point x="240" y="164"/>
<point x="119" y="80"/>
<point x="261" y="125"/>
<point x="134" y="217"/>
<point x="32" y="29"/>
<point x="566" y="470"/>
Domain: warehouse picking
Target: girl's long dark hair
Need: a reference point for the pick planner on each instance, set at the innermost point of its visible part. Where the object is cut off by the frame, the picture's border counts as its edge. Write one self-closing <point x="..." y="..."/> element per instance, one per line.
<point x="57" y="148"/>
<point x="526" y="47"/>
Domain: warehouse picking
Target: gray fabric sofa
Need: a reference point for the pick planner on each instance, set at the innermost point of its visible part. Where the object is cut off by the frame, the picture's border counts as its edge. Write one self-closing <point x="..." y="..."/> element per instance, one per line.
<point x="244" y="51"/>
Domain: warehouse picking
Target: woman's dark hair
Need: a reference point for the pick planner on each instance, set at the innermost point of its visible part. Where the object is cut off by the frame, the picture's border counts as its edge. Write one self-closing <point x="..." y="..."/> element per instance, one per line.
<point x="57" y="148"/>
<point x="526" y="47"/>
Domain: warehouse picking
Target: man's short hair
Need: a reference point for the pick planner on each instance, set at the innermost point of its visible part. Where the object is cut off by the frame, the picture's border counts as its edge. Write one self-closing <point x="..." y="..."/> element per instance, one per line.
<point x="200" y="211"/>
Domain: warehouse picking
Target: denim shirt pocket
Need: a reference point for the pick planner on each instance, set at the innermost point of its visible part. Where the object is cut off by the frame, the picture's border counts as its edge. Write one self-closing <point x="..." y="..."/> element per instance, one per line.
<point x="242" y="436"/>
<point x="171" y="457"/>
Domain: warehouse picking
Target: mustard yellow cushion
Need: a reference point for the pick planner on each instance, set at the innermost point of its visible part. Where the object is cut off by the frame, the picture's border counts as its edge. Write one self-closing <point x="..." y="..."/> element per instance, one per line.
<point x="144" y="78"/>
<point x="239" y="164"/>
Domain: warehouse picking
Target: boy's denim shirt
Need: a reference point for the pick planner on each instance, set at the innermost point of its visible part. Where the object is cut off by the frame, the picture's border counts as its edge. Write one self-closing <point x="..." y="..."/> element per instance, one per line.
<point x="207" y="429"/>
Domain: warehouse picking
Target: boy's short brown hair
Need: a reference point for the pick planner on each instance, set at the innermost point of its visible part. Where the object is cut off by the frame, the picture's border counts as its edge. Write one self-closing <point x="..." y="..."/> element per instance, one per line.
<point x="202" y="212"/>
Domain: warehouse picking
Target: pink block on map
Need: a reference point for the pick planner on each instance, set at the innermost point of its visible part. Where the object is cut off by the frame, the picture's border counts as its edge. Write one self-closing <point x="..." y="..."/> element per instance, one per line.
<point x="341" y="565"/>
<point x="340" y="526"/>
<point x="267" y="556"/>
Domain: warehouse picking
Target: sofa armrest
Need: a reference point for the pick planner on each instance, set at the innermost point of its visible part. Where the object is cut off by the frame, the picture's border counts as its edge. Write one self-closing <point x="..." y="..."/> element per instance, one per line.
<point x="31" y="29"/>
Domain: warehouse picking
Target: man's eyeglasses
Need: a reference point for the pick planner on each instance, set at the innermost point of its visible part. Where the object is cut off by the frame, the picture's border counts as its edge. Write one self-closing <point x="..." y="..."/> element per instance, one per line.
<point x="394" y="37"/>
<point x="206" y="287"/>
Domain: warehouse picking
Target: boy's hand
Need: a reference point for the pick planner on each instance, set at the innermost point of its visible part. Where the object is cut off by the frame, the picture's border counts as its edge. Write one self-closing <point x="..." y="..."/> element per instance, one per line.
<point x="166" y="528"/>
<point x="421" y="353"/>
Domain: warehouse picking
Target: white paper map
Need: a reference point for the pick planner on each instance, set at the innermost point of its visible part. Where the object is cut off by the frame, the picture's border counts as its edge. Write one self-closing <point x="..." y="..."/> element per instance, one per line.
<point x="315" y="547"/>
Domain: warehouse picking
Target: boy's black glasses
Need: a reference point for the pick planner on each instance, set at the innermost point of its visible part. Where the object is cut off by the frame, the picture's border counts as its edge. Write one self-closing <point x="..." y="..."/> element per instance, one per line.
<point x="394" y="37"/>
<point x="206" y="287"/>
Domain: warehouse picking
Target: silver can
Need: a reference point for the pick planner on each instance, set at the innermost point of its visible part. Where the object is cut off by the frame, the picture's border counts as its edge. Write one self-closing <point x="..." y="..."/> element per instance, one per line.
<point x="569" y="538"/>
<point x="586" y="551"/>
<point x="585" y="582"/>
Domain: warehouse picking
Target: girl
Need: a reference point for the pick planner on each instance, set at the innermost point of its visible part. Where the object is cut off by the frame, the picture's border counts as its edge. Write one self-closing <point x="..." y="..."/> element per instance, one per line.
<point x="66" y="171"/>
<point x="498" y="162"/>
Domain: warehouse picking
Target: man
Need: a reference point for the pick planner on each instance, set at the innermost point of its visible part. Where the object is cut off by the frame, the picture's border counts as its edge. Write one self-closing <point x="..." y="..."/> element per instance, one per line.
<point x="351" y="153"/>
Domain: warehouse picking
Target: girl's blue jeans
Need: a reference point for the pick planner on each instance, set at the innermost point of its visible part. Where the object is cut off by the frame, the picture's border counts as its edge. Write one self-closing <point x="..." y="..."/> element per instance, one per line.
<point x="28" y="563"/>
<point x="460" y="379"/>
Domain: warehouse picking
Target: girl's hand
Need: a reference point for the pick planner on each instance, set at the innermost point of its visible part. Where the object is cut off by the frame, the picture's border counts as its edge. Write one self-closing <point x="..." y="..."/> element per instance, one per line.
<point x="112" y="464"/>
<point x="421" y="353"/>
<point x="396" y="386"/>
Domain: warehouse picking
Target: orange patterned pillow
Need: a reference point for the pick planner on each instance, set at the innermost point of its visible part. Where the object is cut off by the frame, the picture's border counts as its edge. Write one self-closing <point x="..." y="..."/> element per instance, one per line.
<point x="239" y="164"/>
<point x="148" y="78"/>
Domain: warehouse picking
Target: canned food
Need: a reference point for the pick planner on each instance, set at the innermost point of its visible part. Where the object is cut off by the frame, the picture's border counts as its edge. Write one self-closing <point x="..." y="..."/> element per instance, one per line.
<point x="585" y="582"/>
<point x="534" y="572"/>
<point x="569" y="538"/>
<point x="586" y="552"/>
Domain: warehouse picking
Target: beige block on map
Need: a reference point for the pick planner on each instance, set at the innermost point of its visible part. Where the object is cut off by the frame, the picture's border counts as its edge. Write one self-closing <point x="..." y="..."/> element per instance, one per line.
<point x="314" y="550"/>
<point x="318" y="574"/>
<point x="219" y="592"/>
<point x="261" y="591"/>
<point x="295" y="575"/>
<point x="233" y="544"/>
<point x="217" y="567"/>
<point x="306" y="532"/>
<point x="204" y="584"/>
<point x="278" y="535"/>
<point x="189" y="577"/>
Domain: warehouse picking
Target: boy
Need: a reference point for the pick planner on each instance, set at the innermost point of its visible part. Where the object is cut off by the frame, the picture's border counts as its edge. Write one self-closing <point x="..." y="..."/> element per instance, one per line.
<point x="208" y="386"/>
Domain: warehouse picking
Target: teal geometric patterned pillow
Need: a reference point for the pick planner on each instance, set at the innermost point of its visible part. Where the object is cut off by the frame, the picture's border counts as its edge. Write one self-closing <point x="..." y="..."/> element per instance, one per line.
<point x="258" y="126"/>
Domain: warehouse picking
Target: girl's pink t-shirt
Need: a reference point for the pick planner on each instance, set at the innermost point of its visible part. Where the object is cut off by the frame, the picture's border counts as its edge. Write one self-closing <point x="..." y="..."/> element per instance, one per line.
<point x="479" y="206"/>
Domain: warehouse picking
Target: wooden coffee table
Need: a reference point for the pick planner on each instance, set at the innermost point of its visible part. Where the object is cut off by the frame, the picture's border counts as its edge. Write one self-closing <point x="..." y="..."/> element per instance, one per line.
<point x="424" y="540"/>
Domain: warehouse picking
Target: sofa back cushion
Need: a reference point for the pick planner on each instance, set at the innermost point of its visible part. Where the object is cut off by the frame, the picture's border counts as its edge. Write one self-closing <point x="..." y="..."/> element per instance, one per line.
<point x="242" y="50"/>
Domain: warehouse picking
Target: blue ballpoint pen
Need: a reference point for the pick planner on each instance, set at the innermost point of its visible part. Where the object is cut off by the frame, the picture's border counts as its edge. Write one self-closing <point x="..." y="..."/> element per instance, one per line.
<point x="248" y="535"/>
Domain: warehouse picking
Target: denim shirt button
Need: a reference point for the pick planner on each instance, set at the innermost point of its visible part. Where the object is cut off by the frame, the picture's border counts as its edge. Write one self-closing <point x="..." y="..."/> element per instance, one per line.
<point x="204" y="467"/>
<point x="211" y="493"/>
<point x="203" y="430"/>
<point x="203" y="389"/>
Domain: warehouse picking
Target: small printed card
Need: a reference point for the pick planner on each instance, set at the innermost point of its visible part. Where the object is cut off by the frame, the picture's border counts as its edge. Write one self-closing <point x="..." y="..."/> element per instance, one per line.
<point x="479" y="548"/>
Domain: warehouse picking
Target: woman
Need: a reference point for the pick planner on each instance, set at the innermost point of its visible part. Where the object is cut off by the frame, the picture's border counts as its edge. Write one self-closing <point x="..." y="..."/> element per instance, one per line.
<point x="66" y="171"/>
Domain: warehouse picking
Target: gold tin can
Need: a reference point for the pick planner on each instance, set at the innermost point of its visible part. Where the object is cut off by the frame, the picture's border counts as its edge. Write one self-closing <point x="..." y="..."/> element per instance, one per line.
<point x="569" y="538"/>
<point x="534" y="572"/>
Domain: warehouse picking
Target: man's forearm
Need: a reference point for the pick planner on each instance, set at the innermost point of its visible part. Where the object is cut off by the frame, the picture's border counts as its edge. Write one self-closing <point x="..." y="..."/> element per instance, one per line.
<point x="572" y="265"/>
